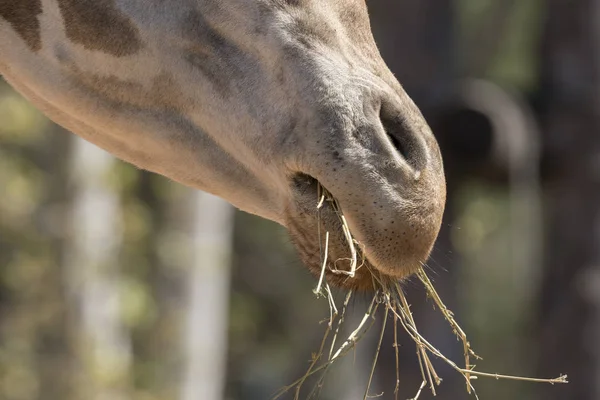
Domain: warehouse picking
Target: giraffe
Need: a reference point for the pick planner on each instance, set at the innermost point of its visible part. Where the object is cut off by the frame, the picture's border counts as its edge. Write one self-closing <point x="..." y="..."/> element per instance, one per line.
<point x="260" y="102"/>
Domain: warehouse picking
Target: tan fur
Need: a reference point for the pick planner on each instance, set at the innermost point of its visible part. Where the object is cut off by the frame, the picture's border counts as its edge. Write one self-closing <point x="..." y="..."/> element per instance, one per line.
<point x="252" y="100"/>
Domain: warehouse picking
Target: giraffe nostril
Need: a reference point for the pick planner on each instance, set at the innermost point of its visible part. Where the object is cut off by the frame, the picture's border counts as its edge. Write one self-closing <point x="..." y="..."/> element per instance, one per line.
<point x="396" y="143"/>
<point x="403" y="134"/>
<point x="393" y="127"/>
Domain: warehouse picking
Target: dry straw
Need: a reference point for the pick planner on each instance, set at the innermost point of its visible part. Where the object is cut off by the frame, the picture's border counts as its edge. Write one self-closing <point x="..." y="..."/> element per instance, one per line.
<point x="390" y="296"/>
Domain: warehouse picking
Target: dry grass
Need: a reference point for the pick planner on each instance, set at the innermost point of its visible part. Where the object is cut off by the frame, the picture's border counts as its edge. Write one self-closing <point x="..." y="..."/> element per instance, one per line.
<point x="390" y="296"/>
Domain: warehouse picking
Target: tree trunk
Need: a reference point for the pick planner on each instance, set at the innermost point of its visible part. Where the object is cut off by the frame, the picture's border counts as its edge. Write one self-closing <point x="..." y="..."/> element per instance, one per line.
<point x="205" y="337"/>
<point x="92" y="276"/>
<point x="569" y="320"/>
<point x="55" y="351"/>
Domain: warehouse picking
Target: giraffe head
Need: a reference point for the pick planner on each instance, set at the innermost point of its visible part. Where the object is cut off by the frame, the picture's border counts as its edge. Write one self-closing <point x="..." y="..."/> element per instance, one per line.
<point x="260" y="102"/>
<point x="331" y="115"/>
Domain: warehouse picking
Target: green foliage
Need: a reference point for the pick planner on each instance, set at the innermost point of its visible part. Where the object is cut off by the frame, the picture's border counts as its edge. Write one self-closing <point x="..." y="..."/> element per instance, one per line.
<point x="499" y="40"/>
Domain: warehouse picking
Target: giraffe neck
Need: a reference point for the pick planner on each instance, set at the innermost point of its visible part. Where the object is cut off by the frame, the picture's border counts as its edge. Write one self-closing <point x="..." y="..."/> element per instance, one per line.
<point x="149" y="89"/>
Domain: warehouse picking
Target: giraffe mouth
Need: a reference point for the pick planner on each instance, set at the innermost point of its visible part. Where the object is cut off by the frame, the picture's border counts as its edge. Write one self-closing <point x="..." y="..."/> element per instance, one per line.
<point x="324" y="241"/>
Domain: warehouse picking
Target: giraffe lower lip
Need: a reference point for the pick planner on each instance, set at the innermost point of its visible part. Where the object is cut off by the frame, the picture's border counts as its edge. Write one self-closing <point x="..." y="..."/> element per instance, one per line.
<point x="320" y="214"/>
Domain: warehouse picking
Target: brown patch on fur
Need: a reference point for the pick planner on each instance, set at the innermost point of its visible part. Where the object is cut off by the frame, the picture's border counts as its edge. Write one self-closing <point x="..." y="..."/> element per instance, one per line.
<point x="216" y="56"/>
<point x="98" y="25"/>
<point x="162" y="94"/>
<point x="22" y="15"/>
<point x="209" y="66"/>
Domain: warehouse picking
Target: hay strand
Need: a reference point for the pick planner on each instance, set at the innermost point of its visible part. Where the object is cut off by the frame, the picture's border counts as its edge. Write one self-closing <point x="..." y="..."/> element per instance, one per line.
<point x="339" y="324"/>
<point x="391" y="295"/>
<point x="376" y="354"/>
<point x="397" y="388"/>
<point x="317" y="290"/>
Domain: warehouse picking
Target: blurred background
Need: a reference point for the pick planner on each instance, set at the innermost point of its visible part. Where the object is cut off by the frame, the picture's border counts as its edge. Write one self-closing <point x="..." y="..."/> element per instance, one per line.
<point x="118" y="284"/>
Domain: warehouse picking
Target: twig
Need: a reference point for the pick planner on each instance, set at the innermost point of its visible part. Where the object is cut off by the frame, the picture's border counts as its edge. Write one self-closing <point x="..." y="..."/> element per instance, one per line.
<point x="348" y="345"/>
<point x="315" y="359"/>
<point x="425" y="345"/>
<point x="397" y="357"/>
<point x="333" y="311"/>
<point x="561" y="379"/>
<point x="354" y="334"/>
<point x="423" y="384"/>
<point x="340" y="322"/>
<point x="432" y="375"/>
<point x="449" y="315"/>
<point x="377" y="353"/>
